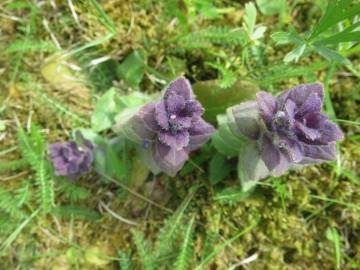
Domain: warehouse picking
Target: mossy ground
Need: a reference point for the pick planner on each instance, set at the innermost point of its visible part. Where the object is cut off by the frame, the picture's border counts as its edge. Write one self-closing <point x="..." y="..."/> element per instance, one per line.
<point x="292" y="214"/>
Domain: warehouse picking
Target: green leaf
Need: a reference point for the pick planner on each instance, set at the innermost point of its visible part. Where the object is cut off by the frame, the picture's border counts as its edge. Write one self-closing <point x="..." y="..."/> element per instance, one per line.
<point x="286" y="38"/>
<point x="131" y="70"/>
<point x="251" y="168"/>
<point x="333" y="235"/>
<point x="271" y="7"/>
<point x="332" y="55"/>
<point x="344" y="36"/>
<point x="216" y="100"/>
<point x="258" y="33"/>
<point x="219" y="168"/>
<point x="295" y="54"/>
<point x="336" y="11"/>
<point x="105" y="110"/>
<point x="222" y="146"/>
<point x="250" y="17"/>
<point x="231" y="195"/>
<point x="129" y="107"/>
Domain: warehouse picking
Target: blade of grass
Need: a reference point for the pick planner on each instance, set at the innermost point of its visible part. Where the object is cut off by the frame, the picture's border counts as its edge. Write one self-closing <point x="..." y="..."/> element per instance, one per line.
<point x="6" y="244"/>
<point x="219" y="248"/>
<point x="350" y="205"/>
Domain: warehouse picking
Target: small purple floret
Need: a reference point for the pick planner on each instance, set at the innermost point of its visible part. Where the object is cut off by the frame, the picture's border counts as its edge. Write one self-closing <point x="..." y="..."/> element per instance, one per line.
<point x="174" y="125"/>
<point x="296" y="129"/>
<point x="70" y="159"/>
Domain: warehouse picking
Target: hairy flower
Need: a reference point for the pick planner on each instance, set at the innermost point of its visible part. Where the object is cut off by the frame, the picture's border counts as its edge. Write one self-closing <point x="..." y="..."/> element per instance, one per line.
<point x="293" y="130"/>
<point x="171" y="128"/>
<point x="70" y="159"/>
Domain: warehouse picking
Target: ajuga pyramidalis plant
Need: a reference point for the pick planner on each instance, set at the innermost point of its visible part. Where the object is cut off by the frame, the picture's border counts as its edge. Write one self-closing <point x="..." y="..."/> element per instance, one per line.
<point x="274" y="134"/>
<point x="168" y="130"/>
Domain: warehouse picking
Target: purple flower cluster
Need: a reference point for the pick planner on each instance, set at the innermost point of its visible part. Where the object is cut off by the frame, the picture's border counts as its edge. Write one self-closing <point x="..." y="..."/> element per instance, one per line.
<point x="172" y="127"/>
<point x="71" y="160"/>
<point x="292" y="128"/>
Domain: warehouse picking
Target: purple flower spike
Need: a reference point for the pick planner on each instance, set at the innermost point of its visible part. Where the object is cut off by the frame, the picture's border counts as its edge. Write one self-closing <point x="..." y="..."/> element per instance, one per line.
<point x="296" y="130"/>
<point x="71" y="160"/>
<point x="171" y="128"/>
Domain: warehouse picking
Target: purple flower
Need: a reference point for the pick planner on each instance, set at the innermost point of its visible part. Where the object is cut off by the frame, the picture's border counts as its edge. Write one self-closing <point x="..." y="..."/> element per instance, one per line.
<point x="171" y="128"/>
<point x="71" y="160"/>
<point x="295" y="129"/>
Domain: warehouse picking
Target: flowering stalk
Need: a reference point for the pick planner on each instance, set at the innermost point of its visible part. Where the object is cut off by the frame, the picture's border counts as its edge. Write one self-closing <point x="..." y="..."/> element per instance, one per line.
<point x="274" y="134"/>
<point x="168" y="130"/>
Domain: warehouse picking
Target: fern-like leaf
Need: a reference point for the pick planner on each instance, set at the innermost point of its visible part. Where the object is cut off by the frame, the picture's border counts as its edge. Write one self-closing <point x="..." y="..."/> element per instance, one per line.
<point x="184" y="258"/>
<point x="143" y="250"/>
<point x="10" y="205"/>
<point x="46" y="184"/>
<point x="76" y="211"/>
<point x="13" y="165"/>
<point x="169" y="232"/>
<point x="213" y="35"/>
<point x="125" y="261"/>
<point x="32" y="147"/>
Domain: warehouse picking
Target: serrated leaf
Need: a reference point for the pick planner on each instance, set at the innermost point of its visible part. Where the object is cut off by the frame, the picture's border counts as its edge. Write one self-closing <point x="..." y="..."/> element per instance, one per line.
<point x="186" y="251"/>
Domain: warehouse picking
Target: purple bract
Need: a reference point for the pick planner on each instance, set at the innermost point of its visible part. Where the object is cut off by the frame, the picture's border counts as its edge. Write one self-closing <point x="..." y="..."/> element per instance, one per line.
<point x="71" y="160"/>
<point x="172" y="127"/>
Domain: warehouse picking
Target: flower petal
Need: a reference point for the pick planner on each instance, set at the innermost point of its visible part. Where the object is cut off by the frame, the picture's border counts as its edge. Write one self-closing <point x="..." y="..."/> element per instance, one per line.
<point x="178" y="140"/>
<point x="169" y="159"/>
<point x="194" y="108"/>
<point x="174" y="104"/>
<point x="330" y="132"/>
<point x="312" y="104"/>
<point x="267" y="106"/>
<point x="199" y="133"/>
<point x="320" y="152"/>
<point x="269" y="153"/>
<point x="181" y="123"/>
<point x="293" y="150"/>
<point x="161" y="115"/>
<point x="300" y="93"/>
<point x="306" y="133"/>
<point x="290" y="107"/>
<point x="283" y="166"/>
<point x="181" y="87"/>
<point x="315" y="119"/>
